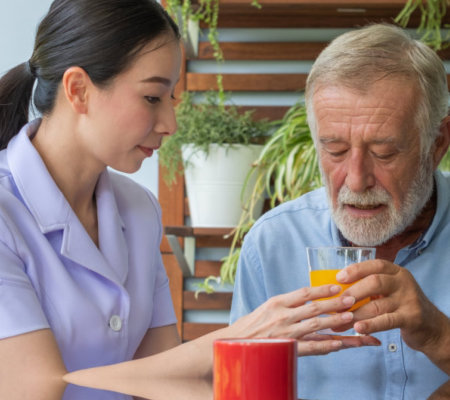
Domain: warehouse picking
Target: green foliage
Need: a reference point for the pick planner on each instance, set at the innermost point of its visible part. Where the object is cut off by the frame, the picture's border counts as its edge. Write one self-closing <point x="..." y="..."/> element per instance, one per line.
<point x="206" y="11"/>
<point x="445" y="162"/>
<point x="432" y="13"/>
<point x="208" y="122"/>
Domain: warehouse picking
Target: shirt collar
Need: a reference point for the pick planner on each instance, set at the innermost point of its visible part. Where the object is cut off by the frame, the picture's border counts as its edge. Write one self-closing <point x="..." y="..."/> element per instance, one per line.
<point x="52" y="212"/>
<point x="40" y="193"/>
<point x="442" y="194"/>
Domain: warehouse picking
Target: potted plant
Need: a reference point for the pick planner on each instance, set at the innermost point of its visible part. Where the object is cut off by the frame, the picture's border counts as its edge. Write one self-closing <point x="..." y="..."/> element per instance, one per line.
<point x="215" y="146"/>
<point x="286" y="168"/>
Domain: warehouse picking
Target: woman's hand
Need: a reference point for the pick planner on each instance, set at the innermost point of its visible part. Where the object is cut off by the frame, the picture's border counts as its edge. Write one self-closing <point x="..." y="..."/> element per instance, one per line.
<point x="295" y="315"/>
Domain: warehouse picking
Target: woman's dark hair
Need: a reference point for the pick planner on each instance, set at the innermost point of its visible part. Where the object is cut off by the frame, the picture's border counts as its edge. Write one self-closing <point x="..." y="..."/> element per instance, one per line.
<point x="100" y="36"/>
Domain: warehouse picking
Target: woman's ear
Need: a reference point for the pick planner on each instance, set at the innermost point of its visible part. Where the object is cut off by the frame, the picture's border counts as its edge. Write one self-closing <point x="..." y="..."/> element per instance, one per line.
<point x="442" y="141"/>
<point x="76" y="82"/>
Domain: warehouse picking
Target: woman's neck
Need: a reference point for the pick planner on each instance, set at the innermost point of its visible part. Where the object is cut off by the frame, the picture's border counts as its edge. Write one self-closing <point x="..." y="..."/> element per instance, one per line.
<point x="67" y="163"/>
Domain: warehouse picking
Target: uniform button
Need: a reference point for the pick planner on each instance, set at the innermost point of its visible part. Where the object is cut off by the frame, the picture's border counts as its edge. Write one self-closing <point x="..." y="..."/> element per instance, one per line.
<point x="392" y="347"/>
<point x="115" y="323"/>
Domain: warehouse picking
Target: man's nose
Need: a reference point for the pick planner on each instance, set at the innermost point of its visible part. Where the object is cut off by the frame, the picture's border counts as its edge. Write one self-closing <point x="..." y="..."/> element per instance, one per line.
<point x="360" y="176"/>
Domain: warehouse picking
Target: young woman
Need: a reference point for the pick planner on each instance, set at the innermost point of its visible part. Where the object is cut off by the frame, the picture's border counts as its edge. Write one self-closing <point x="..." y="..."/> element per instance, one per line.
<point x="81" y="278"/>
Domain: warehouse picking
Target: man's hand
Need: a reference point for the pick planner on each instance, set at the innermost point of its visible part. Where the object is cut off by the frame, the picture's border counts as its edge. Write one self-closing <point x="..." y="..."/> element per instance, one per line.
<point x="398" y="302"/>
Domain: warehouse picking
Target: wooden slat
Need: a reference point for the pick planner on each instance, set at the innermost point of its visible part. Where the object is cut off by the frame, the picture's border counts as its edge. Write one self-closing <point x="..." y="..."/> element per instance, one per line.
<point x="318" y="3"/>
<point x="192" y="330"/>
<point x="205" y="301"/>
<point x="263" y="50"/>
<point x="271" y="113"/>
<point x="272" y="51"/>
<point x="205" y="237"/>
<point x="247" y="82"/>
<point x="205" y="268"/>
<point x="251" y="83"/>
<point x="196" y="232"/>
<point x="299" y="13"/>
<point x="444" y="54"/>
<point x="213" y="241"/>
<point x="176" y="286"/>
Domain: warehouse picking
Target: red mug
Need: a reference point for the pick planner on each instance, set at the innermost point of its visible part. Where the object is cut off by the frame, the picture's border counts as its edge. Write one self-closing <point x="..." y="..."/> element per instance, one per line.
<point x="255" y="369"/>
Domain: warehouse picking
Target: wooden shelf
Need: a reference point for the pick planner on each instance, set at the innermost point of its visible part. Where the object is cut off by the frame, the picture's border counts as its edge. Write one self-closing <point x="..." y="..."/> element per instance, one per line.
<point x="185" y="231"/>
<point x="309" y="13"/>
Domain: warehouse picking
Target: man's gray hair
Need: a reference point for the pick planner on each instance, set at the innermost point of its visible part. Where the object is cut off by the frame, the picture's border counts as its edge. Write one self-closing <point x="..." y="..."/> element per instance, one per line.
<point x="359" y="58"/>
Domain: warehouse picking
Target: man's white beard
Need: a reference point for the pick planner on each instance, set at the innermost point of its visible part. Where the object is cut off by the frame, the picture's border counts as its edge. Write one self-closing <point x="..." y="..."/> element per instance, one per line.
<point x="377" y="230"/>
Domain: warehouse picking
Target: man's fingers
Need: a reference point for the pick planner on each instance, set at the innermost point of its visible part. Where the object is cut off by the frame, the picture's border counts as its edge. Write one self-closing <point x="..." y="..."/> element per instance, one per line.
<point x="357" y="271"/>
<point x="376" y="307"/>
<point x="377" y="324"/>
<point x="372" y="286"/>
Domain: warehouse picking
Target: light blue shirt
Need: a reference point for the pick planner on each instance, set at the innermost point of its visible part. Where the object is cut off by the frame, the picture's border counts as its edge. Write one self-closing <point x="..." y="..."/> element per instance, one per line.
<point x="273" y="261"/>
<point x="99" y="302"/>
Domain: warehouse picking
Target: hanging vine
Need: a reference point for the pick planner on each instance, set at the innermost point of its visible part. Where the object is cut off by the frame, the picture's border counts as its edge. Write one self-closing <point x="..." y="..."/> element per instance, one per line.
<point x="431" y="28"/>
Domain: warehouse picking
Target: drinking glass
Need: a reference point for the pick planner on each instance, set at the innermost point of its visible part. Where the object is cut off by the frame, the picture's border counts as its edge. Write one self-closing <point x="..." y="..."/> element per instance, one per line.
<point x="325" y="262"/>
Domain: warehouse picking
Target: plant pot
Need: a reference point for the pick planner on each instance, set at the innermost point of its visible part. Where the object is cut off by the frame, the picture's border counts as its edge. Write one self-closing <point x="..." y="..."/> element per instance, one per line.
<point x="214" y="183"/>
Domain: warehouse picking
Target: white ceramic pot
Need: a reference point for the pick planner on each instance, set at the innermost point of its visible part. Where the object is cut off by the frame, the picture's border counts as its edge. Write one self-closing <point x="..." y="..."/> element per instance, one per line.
<point x="214" y="183"/>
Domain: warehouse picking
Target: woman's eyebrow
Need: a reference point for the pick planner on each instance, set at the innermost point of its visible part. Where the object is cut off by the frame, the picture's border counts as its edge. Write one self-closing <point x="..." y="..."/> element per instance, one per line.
<point x="157" y="79"/>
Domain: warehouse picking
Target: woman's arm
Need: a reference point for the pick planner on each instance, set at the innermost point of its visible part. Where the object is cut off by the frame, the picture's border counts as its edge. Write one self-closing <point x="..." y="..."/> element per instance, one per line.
<point x="157" y="340"/>
<point x="31" y="367"/>
<point x="287" y="315"/>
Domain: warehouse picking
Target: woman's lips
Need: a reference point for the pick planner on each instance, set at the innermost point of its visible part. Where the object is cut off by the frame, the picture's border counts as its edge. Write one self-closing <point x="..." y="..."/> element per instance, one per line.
<point x="146" y="150"/>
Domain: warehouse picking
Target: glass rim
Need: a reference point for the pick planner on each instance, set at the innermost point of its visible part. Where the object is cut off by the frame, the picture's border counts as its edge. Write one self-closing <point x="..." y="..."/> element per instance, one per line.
<point x="341" y="247"/>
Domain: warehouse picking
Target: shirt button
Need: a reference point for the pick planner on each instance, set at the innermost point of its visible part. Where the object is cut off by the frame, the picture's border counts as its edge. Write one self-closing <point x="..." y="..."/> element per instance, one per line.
<point x="392" y="347"/>
<point x="115" y="323"/>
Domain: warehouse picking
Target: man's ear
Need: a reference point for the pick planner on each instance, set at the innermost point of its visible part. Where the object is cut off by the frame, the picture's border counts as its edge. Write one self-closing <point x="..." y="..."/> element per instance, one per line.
<point x="442" y="141"/>
<point x="76" y="82"/>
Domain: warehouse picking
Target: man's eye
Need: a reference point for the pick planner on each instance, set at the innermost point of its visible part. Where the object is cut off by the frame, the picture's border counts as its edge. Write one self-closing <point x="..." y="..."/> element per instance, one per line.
<point x="153" y="100"/>
<point x="386" y="156"/>
<point x="337" y="153"/>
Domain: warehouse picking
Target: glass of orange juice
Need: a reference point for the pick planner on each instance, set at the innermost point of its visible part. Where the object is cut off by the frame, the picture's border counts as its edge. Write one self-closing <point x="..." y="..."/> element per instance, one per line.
<point x="325" y="262"/>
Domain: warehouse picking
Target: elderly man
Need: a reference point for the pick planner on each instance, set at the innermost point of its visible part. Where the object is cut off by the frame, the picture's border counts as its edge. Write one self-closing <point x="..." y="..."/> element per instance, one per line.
<point x="377" y="108"/>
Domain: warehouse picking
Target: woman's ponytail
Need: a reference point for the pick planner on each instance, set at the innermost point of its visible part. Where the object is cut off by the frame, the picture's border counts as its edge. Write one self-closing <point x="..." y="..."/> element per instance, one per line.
<point x="16" y="87"/>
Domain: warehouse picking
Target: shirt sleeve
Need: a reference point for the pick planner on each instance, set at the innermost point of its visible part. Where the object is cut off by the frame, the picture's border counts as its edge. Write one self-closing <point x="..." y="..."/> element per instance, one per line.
<point x="249" y="292"/>
<point x="20" y="308"/>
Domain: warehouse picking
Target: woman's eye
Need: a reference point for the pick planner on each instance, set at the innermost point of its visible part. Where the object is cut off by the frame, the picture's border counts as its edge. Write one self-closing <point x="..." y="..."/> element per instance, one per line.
<point x="153" y="100"/>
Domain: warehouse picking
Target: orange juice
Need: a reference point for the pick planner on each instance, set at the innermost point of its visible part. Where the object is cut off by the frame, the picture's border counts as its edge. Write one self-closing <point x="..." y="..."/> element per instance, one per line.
<point x="328" y="276"/>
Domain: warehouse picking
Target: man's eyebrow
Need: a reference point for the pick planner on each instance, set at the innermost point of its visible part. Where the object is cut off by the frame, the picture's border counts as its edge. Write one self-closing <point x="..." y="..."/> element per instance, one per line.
<point x="157" y="79"/>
